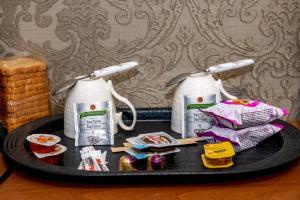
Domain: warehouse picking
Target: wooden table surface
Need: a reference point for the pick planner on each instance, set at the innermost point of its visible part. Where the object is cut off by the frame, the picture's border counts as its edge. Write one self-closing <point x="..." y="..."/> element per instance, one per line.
<point x="281" y="185"/>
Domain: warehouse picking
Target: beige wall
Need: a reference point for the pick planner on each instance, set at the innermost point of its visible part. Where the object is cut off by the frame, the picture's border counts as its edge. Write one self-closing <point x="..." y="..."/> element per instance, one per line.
<point x="167" y="37"/>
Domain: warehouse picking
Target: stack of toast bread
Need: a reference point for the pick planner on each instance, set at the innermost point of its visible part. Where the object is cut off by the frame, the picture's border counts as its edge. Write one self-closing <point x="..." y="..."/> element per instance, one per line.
<point x="24" y="93"/>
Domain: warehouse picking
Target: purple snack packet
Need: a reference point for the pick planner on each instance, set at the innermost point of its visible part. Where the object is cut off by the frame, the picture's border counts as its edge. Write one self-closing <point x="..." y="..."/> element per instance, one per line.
<point x="238" y="114"/>
<point x="242" y="139"/>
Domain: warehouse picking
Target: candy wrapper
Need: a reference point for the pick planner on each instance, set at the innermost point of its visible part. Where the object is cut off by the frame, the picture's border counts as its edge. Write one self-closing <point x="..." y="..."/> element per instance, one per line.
<point x="156" y="162"/>
<point x="92" y="160"/>
<point x="242" y="139"/>
<point x="127" y="163"/>
<point x="238" y="114"/>
<point x="194" y="120"/>
<point x="94" y="124"/>
<point x="154" y="140"/>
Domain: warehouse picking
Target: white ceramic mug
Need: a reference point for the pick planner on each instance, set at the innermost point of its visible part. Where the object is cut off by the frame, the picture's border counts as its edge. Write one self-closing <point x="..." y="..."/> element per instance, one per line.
<point x="200" y="85"/>
<point x="94" y="90"/>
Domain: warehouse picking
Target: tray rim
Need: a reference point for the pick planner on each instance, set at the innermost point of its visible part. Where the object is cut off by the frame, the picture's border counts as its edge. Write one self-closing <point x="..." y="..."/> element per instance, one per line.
<point x="283" y="156"/>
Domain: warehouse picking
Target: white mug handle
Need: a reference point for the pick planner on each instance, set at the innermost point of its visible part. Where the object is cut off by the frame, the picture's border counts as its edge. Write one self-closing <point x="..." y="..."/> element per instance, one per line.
<point x="119" y="115"/>
<point x="223" y="91"/>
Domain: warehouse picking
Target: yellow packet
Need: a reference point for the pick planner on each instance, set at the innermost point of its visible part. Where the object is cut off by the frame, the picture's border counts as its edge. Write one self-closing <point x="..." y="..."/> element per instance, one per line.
<point x="218" y="155"/>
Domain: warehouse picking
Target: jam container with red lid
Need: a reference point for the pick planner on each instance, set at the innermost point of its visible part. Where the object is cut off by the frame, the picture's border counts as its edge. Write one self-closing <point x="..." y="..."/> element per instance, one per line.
<point x="42" y="143"/>
<point x="54" y="157"/>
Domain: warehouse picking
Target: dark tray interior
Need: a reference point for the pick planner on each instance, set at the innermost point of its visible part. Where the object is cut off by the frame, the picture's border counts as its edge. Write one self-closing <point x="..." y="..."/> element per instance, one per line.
<point x="273" y="153"/>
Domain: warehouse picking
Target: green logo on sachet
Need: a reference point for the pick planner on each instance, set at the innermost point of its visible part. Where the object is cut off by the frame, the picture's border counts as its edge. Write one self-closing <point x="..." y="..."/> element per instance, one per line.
<point x="198" y="106"/>
<point x="93" y="113"/>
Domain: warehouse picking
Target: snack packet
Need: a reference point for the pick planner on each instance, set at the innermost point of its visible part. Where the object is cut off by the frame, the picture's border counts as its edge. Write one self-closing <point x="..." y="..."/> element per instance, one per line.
<point x="242" y="139"/>
<point x="141" y="154"/>
<point x="194" y="120"/>
<point x="238" y="114"/>
<point x="157" y="140"/>
<point x="94" y="124"/>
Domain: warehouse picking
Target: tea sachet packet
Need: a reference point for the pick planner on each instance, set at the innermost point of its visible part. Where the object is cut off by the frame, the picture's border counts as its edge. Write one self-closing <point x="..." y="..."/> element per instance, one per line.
<point x="94" y="123"/>
<point x="238" y="114"/>
<point x="241" y="139"/>
<point x="194" y="120"/>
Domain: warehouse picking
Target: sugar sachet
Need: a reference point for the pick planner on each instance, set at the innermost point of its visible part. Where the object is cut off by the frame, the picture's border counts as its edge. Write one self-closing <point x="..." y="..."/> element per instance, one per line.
<point x="92" y="160"/>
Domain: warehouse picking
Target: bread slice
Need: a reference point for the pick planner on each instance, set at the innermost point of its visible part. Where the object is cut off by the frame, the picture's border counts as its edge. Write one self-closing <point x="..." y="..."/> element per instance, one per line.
<point x="34" y="98"/>
<point x="13" y="107"/>
<point x="4" y="97"/>
<point x="18" y="77"/>
<point x="22" y="83"/>
<point x="11" y="127"/>
<point x="11" y="121"/>
<point x="21" y="65"/>
<point x="25" y="88"/>
<point x="27" y="111"/>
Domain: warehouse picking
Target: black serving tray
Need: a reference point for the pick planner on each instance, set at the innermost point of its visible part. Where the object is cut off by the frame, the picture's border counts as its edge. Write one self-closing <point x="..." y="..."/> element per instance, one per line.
<point x="271" y="155"/>
<point x="4" y="173"/>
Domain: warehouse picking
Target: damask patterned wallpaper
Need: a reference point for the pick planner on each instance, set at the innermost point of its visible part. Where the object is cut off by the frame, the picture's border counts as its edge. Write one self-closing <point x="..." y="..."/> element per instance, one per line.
<point x="167" y="37"/>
